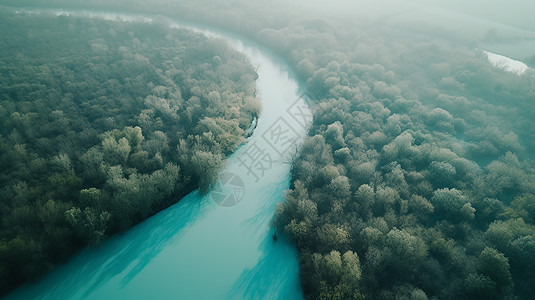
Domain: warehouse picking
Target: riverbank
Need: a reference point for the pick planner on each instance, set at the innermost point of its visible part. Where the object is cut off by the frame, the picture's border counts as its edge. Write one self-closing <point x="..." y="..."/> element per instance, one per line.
<point x="199" y="248"/>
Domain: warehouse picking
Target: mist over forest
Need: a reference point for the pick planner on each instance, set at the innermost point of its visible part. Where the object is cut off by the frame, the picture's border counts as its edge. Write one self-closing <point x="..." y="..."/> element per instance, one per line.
<point x="104" y="124"/>
<point x="416" y="179"/>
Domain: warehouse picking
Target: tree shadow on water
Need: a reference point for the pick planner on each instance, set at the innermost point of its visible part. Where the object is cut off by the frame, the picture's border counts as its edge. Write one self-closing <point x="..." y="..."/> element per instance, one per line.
<point x="275" y="276"/>
<point x="271" y="194"/>
<point x="127" y="254"/>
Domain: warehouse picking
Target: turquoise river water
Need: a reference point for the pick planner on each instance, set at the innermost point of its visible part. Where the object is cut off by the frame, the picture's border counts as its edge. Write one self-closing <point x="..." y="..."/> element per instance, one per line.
<point x="217" y="246"/>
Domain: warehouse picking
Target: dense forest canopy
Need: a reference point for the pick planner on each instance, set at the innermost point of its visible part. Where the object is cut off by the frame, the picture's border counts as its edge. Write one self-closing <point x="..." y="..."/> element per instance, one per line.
<point x="104" y="123"/>
<point x="417" y="180"/>
<point x="420" y="161"/>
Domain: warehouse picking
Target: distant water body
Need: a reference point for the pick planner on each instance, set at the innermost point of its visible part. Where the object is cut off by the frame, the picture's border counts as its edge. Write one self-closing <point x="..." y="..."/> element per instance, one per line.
<point x="508" y="64"/>
<point x="218" y="246"/>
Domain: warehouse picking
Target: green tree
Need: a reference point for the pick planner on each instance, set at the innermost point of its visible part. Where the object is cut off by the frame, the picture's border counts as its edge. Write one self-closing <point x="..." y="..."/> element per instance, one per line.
<point x="407" y="250"/>
<point x="208" y="166"/>
<point x="452" y="205"/>
<point x="478" y="286"/>
<point x="337" y="276"/>
<point x="88" y="224"/>
<point x="495" y="265"/>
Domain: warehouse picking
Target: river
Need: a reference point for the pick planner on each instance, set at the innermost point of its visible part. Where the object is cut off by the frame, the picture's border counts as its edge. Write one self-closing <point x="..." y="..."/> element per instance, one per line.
<point x="506" y="63"/>
<point x="217" y="246"/>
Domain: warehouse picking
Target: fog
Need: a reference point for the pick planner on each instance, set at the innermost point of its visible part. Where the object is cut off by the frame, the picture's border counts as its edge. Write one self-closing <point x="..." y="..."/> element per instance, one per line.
<point x="416" y="179"/>
<point x="502" y="26"/>
<point x="516" y="13"/>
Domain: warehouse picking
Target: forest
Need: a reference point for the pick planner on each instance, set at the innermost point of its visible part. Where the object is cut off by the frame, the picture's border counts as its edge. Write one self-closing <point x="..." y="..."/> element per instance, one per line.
<point x="103" y="124"/>
<point x="417" y="179"/>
